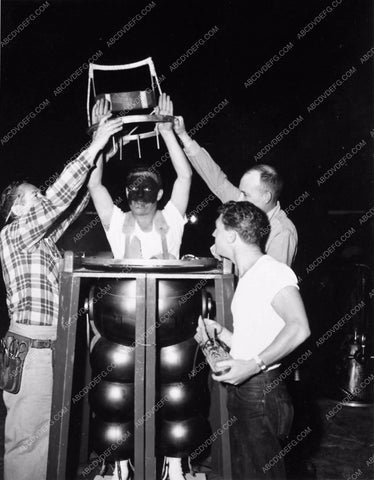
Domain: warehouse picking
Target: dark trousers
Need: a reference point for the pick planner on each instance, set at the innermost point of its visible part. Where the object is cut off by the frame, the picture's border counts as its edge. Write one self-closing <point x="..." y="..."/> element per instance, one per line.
<point x="264" y="418"/>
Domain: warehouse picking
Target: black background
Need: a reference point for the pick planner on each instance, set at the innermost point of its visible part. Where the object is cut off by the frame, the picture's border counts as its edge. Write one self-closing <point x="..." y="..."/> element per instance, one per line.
<point x="67" y="33"/>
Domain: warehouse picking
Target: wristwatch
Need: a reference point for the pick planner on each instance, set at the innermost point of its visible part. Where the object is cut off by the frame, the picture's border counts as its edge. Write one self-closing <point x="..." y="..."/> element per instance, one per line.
<point x="260" y="363"/>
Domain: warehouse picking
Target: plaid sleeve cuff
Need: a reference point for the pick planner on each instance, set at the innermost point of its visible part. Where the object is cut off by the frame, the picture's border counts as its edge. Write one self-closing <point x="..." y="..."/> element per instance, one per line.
<point x="83" y="159"/>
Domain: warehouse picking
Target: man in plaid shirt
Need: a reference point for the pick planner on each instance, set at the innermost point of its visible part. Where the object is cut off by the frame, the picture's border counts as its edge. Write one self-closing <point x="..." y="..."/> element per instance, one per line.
<point x="30" y="261"/>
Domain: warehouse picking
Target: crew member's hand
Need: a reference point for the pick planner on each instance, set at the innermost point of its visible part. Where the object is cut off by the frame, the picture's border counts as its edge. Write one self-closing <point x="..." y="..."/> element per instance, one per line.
<point x="210" y="325"/>
<point x="240" y="371"/>
<point x="105" y="130"/>
<point x="180" y="130"/>
<point x="178" y="125"/>
<point x="165" y="107"/>
<point x="99" y="110"/>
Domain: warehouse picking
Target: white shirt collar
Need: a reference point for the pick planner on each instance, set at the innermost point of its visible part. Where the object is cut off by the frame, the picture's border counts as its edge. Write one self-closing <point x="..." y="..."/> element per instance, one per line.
<point x="274" y="211"/>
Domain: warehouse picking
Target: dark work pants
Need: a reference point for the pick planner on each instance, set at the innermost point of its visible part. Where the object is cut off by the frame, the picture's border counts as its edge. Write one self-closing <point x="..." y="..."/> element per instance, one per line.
<point x="264" y="418"/>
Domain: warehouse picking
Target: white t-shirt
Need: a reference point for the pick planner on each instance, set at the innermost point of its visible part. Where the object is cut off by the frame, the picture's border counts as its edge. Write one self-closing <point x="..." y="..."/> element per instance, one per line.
<point x="256" y="323"/>
<point x="150" y="242"/>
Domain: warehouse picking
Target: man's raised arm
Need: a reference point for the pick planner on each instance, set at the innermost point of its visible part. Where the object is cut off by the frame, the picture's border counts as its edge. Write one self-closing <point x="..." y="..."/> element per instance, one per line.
<point x="28" y="229"/>
<point x="206" y="167"/>
<point x="100" y="196"/>
<point x="181" y="189"/>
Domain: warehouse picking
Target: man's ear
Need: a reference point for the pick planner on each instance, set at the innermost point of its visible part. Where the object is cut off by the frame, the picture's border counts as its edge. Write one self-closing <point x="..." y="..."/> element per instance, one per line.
<point x="127" y="193"/>
<point x="159" y="194"/>
<point x="268" y="196"/>
<point x="231" y="236"/>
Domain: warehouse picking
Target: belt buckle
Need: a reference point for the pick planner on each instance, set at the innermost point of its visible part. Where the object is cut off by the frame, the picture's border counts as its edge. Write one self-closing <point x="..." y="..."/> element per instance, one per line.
<point x="40" y="343"/>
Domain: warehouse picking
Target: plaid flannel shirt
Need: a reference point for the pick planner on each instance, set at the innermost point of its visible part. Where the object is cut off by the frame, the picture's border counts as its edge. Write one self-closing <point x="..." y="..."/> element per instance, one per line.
<point x="28" y="252"/>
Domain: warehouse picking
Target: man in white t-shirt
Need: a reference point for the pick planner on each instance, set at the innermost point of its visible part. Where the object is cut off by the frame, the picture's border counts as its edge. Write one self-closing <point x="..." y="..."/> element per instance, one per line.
<point x="269" y="322"/>
<point x="145" y="232"/>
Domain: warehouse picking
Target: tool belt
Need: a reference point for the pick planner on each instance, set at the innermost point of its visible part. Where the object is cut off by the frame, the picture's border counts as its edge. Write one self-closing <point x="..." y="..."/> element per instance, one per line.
<point x="13" y="351"/>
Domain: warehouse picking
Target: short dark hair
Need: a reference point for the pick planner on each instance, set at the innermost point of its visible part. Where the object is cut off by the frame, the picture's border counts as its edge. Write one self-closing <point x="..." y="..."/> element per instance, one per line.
<point x="7" y="200"/>
<point x="143" y="171"/>
<point x="270" y="178"/>
<point x="249" y="221"/>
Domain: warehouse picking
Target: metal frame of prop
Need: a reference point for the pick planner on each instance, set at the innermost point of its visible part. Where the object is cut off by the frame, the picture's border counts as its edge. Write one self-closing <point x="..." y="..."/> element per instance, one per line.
<point x="145" y="360"/>
<point x="128" y="101"/>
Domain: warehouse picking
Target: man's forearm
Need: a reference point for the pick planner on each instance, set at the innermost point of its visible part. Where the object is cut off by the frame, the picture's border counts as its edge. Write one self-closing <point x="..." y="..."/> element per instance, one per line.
<point x="97" y="174"/>
<point x="185" y="139"/>
<point x="284" y="343"/>
<point x="66" y="187"/>
<point x="209" y="171"/>
<point x="177" y="156"/>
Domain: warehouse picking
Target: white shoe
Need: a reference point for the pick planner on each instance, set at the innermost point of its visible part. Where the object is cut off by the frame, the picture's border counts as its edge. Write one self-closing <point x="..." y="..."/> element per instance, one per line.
<point x="172" y="469"/>
<point x="122" y="470"/>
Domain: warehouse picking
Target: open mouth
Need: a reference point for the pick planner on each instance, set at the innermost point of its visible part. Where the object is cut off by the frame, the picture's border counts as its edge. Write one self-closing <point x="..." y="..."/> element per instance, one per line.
<point x="139" y="204"/>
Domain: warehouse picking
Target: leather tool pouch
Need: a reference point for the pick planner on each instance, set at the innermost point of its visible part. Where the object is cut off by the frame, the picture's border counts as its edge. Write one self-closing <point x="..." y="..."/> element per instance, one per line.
<point x="13" y="351"/>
